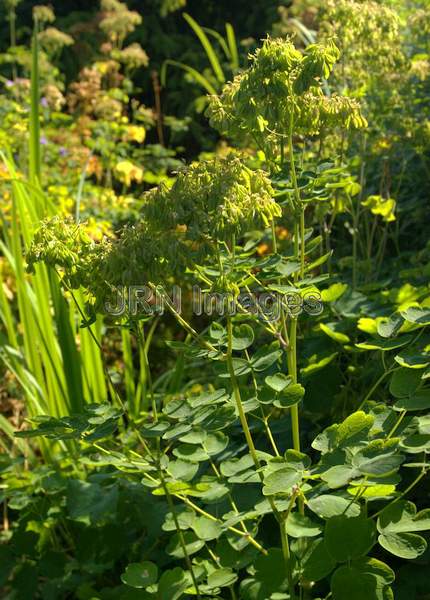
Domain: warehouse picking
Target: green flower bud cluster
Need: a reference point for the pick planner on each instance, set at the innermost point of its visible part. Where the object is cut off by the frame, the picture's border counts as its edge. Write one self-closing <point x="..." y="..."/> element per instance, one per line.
<point x="213" y="200"/>
<point x="43" y="14"/>
<point x="281" y="92"/>
<point x="133" y="56"/>
<point x="209" y="202"/>
<point x="53" y="40"/>
<point x="62" y="244"/>
<point x="118" y="21"/>
<point x="105" y="267"/>
<point x="369" y="36"/>
<point x="419" y="27"/>
<point x="138" y="256"/>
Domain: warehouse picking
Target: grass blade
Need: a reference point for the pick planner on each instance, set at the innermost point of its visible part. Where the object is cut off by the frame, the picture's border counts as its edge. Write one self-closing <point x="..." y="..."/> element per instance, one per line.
<point x="34" y="150"/>
<point x="220" y="40"/>
<point x="204" y="40"/>
<point x="231" y="40"/>
<point x="198" y="77"/>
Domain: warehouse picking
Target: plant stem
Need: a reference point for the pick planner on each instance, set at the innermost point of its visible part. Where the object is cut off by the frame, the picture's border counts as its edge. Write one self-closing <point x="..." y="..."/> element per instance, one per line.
<point x="144" y="350"/>
<point x="355" y="224"/>
<point x="287" y="557"/>
<point x="292" y="349"/>
<point x="397" y="424"/>
<point x="253" y="452"/>
<point x="158" y="111"/>
<point x="417" y="479"/>
<point x="202" y="512"/>
<point x="181" y="320"/>
<point x="162" y="480"/>
<point x="237" y="397"/>
<point x="12" y="32"/>
<point x="264" y="417"/>
<point x="180" y="534"/>
<point x="218" y="564"/>
<point x="302" y="242"/>
<point x="376" y="384"/>
<point x="297" y="198"/>
<point x="236" y="393"/>
<point x="292" y="369"/>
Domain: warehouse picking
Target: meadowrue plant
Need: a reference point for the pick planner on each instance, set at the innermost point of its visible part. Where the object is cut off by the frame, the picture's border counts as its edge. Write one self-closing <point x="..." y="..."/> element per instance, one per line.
<point x="214" y="200"/>
<point x="60" y="243"/>
<point x="209" y="205"/>
<point x="380" y="63"/>
<point x="367" y="33"/>
<point x="282" y="94"/>
<point x="118" y="21"/>
<point x="53" y="40"/>
<point x="225" y="460"/>
<point x="282" y="101"/>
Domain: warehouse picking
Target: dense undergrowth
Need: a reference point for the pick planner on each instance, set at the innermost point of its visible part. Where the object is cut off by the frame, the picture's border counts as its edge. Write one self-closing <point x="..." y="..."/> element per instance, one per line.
<point x="214" y="323"/>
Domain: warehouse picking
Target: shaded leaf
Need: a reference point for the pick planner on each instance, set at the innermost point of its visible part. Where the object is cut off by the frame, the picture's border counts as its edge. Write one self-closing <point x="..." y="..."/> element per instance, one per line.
<point x="281" y="481"/>
<point x="301" y="526"/>
<point x="347" y="538"/>
<point x="404" y="545"/>
<point x="317" y="563"/>
<point x="140" y="575"/>
<point x="221" y="578"/>
<point x="418" y="401"/>
<point x="290" y="396"/>
<point x="331" y="505"/>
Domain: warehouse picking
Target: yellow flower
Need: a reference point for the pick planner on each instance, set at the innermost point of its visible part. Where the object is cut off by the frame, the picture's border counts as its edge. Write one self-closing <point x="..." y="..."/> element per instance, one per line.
<point x="281" y="233"/>
<point x="382" y="145"/>
<point x="4" y="173"/>
<point x="262" y="249"/>
<point x="381" y="206"/>
<point x="97" y="230"/>
<point x="135" y="133"/>
<point x="128" y="172"/>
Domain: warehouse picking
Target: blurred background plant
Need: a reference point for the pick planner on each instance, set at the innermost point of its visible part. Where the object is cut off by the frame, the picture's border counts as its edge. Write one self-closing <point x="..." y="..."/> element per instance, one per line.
<point x="115" y="104"/>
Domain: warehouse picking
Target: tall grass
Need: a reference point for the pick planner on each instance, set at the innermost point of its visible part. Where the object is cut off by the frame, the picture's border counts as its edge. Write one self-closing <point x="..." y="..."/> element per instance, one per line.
<point x="56" y="363"/>
<point x="229" y="47"/>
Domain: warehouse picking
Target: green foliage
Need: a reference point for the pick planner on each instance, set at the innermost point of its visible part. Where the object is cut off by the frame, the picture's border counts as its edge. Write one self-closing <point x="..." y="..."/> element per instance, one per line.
<point x="282" y="92"/>
<point x="251" y="451"/>
<point x="214" y="200"/>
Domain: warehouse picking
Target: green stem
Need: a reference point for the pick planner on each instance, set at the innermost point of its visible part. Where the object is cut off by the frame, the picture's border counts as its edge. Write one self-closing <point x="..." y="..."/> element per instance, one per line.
<point x="144" y="350"/>
<point x="397" y="424"/>
<point x="185" y="499"/>
<point x="292" y="369"/>
<point x="237" y="397"/>
<point x="229" y="495"/>
<point x="264" y="417"/>
<point x="302" y="242"/>
<point x="181" y="320"/>
<point x="297" y="198"/>
<point x="292" y="348"/>
<point x="415" y="482"/>
<point x="287" y="557"/>
<point x="162" y="480"/>
<point x="253" y="452"/>
<point x="376" y="384"/>
<point x="370" y="240"/>
<point x="274" y="240"/>
<point x="284" y="331"/>
<point x="355" y="212"/>
<point x="12" y="32"/>
<point x="180" y="534"/>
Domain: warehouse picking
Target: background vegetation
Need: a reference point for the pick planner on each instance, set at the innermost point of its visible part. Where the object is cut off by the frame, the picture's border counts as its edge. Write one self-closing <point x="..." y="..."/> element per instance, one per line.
<point x="272" y="149"/>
